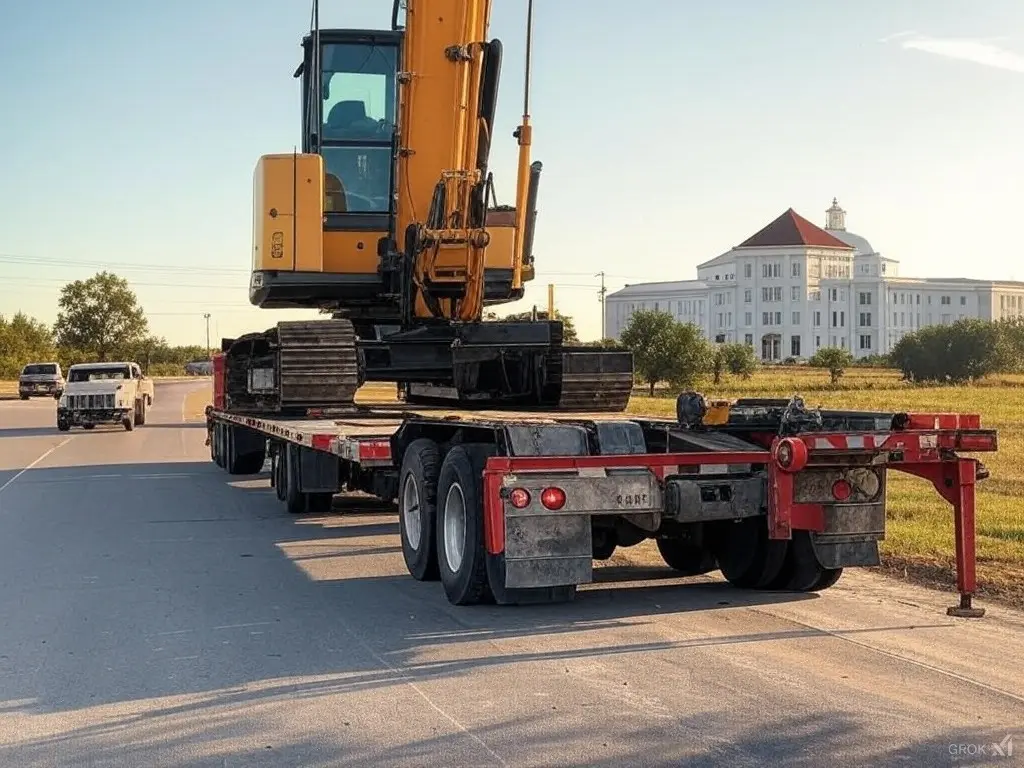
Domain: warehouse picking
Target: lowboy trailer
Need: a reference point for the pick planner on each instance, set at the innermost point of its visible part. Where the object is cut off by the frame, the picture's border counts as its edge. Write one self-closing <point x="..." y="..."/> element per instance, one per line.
<point x="514" y="507"/>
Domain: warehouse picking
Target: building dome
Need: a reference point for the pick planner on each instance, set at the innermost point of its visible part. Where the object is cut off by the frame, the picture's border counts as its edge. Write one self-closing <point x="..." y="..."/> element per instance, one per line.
<point x="835" y="225"/>
<point x="860" y="244"/>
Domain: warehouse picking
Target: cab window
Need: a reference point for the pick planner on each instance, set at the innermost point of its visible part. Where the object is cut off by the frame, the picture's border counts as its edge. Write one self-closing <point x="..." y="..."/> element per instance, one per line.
<point x="358" y="113"/>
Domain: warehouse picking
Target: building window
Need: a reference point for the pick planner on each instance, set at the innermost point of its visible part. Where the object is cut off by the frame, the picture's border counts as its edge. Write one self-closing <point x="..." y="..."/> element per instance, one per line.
<point x="817" y="319"/>
<point x="728" y="319"/>
<point x="748" y="338"/>
<point x="720" y="338"/>
<point x="748" y="296"/>
<point x="796" y="318"/>
<point x="963" y="301"/>
<point x="748" y="270"/>
<point x="796" y="269"/>
<point x="835" y="319"/>
<point x="748" y="318"/>
<point x="794" y="293"/>
<point x="778" y="318"/>
<point x="817" y="342"/>
<point x="895" y="318"/>
<point x="771" y="269"/>
<point x="865" y="318"/>
<point x="865" y="341"/>
<point x="842" y="319"/>
<point x="794" y="346"/>
<point x="945" y="300"/>
<point x="771" y="294"/>
<point x="766" y="318"/>
<point x="864" y="299"/>
<point x="917" y="299"/>
<point x="834" y="295"/>
<point x="946" y="319"/>
<point x="655" y="306"/>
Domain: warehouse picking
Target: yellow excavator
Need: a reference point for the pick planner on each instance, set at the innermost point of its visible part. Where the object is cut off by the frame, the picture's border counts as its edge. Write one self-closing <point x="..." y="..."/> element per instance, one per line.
<point x="387" y="222"/>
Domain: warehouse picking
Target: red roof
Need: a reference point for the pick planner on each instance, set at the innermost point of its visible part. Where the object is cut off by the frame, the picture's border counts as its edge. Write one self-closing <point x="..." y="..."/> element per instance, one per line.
<point x="793" y="229"/>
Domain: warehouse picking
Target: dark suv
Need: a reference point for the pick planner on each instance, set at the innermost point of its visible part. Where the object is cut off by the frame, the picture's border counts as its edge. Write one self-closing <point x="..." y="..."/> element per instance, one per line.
<point x="41" y="379"/>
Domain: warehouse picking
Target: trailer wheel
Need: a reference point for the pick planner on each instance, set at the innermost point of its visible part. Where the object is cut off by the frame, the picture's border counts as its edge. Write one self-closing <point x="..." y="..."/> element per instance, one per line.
<point x="320" y="503"/>
<point x="686" y="557"/>
<point x="802" y="571"/>
<point x="295" y="501"/>
<point x="417" y="508"/>
<point x="461" y="558"/>
<point x="280" y="482"/>
<point x="747" y="557"/>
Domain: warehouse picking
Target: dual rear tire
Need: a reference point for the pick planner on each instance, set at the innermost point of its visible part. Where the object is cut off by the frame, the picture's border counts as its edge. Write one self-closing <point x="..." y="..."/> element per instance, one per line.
<point x="440" y="518"/>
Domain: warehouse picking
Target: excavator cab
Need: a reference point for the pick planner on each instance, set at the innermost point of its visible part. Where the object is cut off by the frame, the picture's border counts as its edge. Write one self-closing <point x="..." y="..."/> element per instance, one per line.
<point x="350" y="104"/>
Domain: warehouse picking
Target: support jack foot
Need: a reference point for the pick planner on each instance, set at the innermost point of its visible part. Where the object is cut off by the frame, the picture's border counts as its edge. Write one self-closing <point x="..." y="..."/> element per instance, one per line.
<point x="965" y="610"/>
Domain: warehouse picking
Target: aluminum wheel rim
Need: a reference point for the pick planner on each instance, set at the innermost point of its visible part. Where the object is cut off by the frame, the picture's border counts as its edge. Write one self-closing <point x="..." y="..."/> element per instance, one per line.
<point x="411" y="511"/>
<point x="454" y="527"/>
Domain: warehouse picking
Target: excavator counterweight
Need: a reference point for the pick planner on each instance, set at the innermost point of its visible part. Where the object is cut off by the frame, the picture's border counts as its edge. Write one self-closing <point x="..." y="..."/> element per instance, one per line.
<point x="386" y="223"/>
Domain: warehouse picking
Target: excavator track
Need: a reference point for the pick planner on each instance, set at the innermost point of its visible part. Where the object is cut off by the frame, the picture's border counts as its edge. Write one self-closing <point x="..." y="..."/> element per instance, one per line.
<point x="585" y="379"/>
<point x="318" y="364"/>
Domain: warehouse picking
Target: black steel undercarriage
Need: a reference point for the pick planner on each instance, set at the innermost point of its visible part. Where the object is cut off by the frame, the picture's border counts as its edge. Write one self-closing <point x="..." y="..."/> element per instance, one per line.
<point x="302" y="365"/>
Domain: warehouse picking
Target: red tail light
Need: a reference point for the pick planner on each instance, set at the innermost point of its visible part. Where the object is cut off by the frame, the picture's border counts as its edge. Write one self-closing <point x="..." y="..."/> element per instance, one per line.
<point x="790" y="454"/>
<point x="552" y="498"/>
<point x="841" y="490"/>
<point x="520" y="498"/>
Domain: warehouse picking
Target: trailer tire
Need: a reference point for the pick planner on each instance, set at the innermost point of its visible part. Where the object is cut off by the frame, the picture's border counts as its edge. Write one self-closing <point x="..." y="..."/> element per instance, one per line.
<point x="747" y="558"/>
<point x="295" y="501"/>
<point x="802" y="571"/>
<point x="461" y="557"/>
<point x="320" y="503"/>
<point x="417" y="487"/>
<point x="686" y="557"/>
<point x="280" y="481"/>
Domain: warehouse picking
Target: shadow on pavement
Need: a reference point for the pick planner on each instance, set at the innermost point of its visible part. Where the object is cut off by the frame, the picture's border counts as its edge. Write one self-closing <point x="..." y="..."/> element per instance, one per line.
<point x="151" y="581"/>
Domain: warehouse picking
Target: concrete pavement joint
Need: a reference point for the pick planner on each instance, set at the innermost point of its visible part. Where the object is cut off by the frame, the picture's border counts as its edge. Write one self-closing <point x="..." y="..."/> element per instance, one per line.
<point x="8" y="484"/>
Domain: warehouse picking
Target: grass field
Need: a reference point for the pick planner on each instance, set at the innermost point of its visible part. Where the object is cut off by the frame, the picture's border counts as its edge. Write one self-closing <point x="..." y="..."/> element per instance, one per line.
<point x="919" y="543"/>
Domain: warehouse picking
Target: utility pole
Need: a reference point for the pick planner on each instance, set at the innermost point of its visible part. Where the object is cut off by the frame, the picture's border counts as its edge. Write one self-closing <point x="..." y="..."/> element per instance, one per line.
<point x="601" y="293"/>
<point x="551" y="301"/>
<point x="206" y="316"/>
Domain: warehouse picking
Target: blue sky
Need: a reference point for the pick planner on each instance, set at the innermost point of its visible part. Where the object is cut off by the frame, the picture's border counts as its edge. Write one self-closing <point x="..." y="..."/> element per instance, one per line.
<point x="669" y="132"/>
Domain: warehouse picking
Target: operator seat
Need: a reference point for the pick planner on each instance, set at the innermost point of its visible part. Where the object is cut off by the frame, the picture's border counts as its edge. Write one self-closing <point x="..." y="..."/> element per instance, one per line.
<point x="348" y="120"/>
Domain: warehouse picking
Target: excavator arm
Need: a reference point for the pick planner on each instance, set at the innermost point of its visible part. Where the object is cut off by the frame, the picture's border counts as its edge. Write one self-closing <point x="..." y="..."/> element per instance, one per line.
<point x="451" y="71"/>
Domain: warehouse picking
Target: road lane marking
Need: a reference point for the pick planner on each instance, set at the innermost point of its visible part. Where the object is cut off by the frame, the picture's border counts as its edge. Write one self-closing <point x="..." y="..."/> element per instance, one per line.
<point x="6" y="485"/>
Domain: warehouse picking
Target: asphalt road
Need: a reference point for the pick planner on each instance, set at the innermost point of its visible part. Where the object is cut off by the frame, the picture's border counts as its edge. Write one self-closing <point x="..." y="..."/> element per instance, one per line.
<point x="154" y="611"/>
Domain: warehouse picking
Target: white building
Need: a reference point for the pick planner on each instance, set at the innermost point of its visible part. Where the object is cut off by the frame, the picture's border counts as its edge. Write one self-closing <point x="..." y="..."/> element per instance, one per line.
<point x="794" y="287"/>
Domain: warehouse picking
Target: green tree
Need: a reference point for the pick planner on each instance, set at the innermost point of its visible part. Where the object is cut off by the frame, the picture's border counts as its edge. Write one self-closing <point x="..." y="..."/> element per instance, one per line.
<point x="569" y="335"/>
<point x="739" y="359"/>
<point x="965" y="351"/>
<point x="100" y="316"/>
<point x="835" y="359"/>
<point x="665" y="350"/>
<point x="23" y="340"/>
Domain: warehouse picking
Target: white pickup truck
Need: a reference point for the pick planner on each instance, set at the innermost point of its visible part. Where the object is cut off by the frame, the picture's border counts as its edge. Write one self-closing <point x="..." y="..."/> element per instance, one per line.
<point x="104" y="393"/>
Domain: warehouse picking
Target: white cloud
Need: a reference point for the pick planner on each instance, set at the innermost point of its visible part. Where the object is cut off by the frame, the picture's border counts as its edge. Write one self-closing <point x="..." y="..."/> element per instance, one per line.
<point x="976" y="50"/>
